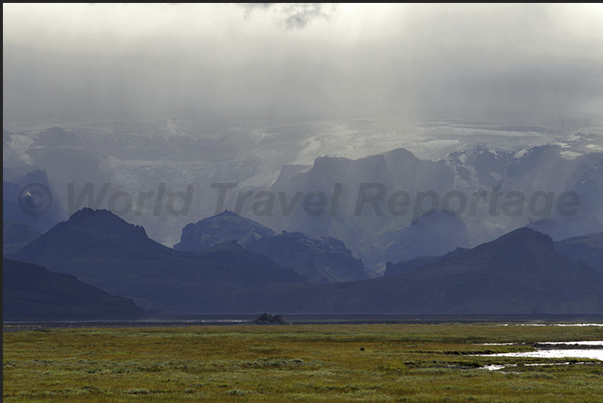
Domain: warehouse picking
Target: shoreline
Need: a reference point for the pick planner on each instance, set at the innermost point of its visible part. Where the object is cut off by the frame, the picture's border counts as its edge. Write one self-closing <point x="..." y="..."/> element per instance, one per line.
<point x="361" y="319"/>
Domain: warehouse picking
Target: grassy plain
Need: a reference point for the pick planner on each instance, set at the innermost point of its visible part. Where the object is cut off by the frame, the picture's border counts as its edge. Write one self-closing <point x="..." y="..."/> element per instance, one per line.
<point x="335" y="363"/>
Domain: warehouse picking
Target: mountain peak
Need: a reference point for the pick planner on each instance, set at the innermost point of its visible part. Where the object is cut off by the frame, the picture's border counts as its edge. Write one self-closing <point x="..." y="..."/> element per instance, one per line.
<point x="93" y="233"/>
<point x="103" y="221"/>
<point x="89" y="212"/>
<point x="227" y="213"/>
<point x="526" y="234"/>
<point x="222" y="227"/>
<point x="399" y="153"/>
<point x="522" y="252"/>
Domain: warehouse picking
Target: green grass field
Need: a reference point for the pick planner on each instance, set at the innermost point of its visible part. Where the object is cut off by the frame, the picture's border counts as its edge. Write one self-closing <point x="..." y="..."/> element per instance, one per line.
<point x="340" y="363"/>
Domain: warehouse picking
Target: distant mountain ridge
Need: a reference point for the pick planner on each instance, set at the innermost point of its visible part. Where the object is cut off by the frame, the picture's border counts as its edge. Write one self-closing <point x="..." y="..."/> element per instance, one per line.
<point x="587" y="249"/>
<point x="518" y="273"/>
<point x="478" y="169"/>
<point x="318" y="259"/>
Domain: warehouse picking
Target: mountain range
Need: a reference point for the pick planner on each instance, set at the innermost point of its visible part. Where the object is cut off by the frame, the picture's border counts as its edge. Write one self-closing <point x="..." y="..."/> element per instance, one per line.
<point x="440" y="156"/>
<point x="472" y="256"/>
<point x="103" y="250"/>
<point x="521" y="272"/>
<point x="518" y="273"/>
<point x="587" y="249"/>
<point x="317" y="259"/>
<point x="531" y="174"/>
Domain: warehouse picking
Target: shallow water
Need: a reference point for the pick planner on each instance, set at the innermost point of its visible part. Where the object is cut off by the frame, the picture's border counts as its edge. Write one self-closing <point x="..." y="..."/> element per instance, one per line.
<point x="593" y="349"/>
<point x="580" y="343"/>
<point x="559" y="324"/>
<point x="564" y="353"/>
<point x="496" y="367"/>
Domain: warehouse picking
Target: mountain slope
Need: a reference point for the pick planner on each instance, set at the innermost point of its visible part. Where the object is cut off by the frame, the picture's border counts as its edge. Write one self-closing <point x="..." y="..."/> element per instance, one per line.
<point x="16" y="235"/>
<point x="319" y="260"/>
<point x="586" y="214"/>
<point x="588" y="248"/>
<point x="395" y="269"/>
<point x="433" y="233"/>
<point x="30" y="292"/>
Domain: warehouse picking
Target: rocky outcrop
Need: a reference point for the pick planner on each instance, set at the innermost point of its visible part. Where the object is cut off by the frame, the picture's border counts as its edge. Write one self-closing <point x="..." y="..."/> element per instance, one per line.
<point x="270" y="319"/>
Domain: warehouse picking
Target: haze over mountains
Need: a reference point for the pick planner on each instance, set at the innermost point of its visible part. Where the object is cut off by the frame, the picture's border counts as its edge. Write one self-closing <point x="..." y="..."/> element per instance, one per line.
<point x="27" y="198"/>
<point x="89" y="156"/>
<point x="486" y="172"/>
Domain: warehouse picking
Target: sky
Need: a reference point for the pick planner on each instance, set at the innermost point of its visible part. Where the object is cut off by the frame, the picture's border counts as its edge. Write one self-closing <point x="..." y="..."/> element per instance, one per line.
<point x="300" y="60"/>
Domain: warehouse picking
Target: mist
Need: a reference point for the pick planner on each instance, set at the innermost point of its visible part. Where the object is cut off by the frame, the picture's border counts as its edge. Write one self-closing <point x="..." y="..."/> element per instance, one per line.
<point x="129" y="61"/>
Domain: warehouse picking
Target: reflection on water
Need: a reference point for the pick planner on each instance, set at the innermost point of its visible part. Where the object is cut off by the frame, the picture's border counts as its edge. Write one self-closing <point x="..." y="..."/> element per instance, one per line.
<point x="562" y="353"/>
<point x="496" y="367"/>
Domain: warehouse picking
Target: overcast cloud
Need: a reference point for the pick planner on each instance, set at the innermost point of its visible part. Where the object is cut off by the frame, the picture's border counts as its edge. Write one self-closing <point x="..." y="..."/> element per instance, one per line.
<point x="300" y="60"/>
